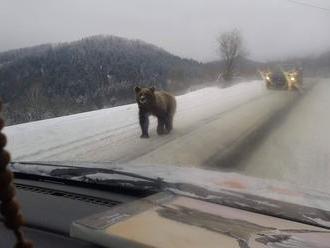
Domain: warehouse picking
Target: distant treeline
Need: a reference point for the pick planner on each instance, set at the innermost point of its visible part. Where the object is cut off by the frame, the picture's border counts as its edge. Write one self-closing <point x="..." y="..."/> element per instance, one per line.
<point x="53" y="80"/>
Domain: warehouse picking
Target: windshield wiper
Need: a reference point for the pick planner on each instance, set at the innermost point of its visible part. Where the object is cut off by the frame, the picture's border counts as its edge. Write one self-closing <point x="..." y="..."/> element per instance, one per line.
<point x="147" y="185"/>
<point x="80" y="173"/>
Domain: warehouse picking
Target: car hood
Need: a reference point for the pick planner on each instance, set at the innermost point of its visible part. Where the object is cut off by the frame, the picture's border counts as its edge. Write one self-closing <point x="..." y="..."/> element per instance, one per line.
<point x="269" y="197"/>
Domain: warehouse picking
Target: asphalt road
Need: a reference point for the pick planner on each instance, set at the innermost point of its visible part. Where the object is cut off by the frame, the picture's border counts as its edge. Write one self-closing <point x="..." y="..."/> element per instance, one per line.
<point x="204" y="132"/>
<point x="207" y="131"/>
<point x="297" y="150"/>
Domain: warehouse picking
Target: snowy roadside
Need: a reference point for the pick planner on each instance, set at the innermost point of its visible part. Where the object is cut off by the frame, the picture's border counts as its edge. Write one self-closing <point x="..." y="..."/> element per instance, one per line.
<point x="116" y="129"/>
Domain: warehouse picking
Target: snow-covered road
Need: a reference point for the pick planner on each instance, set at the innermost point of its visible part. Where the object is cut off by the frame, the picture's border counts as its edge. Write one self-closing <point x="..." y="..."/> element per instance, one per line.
<point x="113" y="134"/>
<point x="298" y="149"/>
<point x="208" y="123"/>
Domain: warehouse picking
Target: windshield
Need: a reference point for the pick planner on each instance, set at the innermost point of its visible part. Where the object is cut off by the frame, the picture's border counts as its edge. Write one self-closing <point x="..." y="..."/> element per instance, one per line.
<point x="214" y="86"/>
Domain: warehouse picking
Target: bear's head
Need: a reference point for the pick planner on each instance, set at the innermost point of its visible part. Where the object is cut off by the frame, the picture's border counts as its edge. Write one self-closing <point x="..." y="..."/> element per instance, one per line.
<point x="145" y="96"/>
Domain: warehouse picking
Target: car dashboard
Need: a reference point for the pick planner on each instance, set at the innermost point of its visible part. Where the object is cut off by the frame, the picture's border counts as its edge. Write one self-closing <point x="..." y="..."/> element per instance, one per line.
<point x="50" y="207"/>
<point x="79" y="214"/>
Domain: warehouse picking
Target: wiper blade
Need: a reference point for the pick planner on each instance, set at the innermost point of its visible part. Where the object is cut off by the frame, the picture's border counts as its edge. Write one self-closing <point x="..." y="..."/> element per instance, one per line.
<point x="68" y="171"/>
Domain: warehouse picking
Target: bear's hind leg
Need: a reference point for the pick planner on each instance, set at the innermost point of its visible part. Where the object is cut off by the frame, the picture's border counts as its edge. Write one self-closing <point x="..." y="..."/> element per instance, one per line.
<point x="160" y="126"/>
<point x="169" y="123"/>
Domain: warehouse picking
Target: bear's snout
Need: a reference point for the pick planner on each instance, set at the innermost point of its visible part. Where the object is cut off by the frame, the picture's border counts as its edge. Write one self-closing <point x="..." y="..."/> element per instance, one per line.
<point x="143" y="99"/>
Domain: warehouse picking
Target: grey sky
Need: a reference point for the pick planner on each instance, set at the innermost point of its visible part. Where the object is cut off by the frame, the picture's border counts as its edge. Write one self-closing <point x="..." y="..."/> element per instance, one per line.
<point x="271" y="28"/>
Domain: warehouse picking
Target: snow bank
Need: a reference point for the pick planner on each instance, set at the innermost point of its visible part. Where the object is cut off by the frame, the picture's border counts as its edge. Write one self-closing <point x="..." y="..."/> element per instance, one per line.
<point x="35" y="140"/>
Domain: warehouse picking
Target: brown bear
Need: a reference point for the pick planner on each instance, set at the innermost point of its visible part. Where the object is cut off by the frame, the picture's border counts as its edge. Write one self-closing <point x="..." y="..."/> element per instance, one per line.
<point x="158" y="103"/>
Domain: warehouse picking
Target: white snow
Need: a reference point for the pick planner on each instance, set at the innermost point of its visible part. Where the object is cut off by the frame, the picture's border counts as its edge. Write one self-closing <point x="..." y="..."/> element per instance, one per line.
<point x="116" y="130"/>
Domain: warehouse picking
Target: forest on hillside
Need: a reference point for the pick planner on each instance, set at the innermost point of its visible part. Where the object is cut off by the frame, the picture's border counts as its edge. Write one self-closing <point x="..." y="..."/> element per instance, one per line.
<point x="97" y="72"/>
<point x="53" y="80"/>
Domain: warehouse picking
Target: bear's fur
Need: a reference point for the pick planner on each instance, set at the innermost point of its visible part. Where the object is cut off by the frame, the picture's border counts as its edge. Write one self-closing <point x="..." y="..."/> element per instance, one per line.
<point x="158" y="103"/>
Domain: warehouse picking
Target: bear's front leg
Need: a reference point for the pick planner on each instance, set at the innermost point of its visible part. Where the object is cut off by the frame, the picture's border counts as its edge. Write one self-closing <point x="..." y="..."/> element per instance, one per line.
<point x="144" y="124"/>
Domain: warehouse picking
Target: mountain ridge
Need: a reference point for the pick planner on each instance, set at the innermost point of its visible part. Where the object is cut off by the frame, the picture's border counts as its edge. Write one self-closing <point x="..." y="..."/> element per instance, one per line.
<point x="100" y="71"/>
<point x="50" y="80"/>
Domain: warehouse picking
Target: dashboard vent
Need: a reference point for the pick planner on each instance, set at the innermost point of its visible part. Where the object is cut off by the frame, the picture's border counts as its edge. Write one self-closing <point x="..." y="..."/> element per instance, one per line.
<point x="73" y="196"/>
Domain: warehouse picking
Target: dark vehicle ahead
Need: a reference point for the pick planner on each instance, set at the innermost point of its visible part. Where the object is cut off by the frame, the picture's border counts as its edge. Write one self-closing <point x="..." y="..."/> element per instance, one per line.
<point x="282" y="78"/>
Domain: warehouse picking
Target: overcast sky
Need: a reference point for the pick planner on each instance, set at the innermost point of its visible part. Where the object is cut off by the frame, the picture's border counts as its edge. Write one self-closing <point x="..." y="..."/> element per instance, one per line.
<point x="188" y="28"/>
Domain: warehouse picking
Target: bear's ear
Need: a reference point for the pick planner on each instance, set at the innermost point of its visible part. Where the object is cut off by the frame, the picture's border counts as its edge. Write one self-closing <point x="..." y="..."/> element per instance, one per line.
<point x="137" y="89"/>
<point x="152" y="89"/>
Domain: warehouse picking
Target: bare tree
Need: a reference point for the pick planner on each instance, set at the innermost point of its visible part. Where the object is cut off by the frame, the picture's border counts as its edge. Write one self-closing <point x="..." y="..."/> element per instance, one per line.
<point x="230" y="48"/>
<point x="34" y="103"/>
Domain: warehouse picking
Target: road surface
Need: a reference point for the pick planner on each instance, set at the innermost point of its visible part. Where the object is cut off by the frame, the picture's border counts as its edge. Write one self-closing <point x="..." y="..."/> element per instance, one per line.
<point x="113" y="134"/>
<point x="209" y="124"/>
<point x="298" y="149"/>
